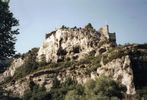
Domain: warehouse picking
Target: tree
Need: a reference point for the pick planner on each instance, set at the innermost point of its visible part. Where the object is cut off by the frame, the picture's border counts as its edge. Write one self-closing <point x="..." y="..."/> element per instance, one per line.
<point x="8" y="30"/>
<point x="35" y="93"/>
<point x="89" y="26"/>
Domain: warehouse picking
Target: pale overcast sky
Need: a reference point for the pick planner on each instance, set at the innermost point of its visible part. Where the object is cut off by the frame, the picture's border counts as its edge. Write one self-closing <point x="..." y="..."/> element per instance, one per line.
<point x="128" y="18"/>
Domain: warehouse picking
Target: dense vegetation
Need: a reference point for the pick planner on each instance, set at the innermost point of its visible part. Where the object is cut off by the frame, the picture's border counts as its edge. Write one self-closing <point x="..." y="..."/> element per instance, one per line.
<point x="101" y="89"/>
<point x="29" y="65"/>
<point x="7" y="97"/>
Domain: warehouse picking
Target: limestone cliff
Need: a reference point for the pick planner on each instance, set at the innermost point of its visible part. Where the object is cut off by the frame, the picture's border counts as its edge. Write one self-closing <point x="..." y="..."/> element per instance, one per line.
<point x="120" y="70"/>
<point x="75" y="43"/>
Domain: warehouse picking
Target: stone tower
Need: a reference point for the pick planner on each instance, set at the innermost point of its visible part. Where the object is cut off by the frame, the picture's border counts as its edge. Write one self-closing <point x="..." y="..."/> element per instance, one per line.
<point x="104" y="31"/>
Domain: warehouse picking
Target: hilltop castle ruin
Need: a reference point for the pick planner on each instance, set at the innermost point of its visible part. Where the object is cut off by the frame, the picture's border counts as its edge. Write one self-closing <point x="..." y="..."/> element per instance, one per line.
<point x="75" y="43"/>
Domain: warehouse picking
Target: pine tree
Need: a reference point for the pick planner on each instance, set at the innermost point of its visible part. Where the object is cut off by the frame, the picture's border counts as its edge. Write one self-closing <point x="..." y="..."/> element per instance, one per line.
<point x="8" y="30"/>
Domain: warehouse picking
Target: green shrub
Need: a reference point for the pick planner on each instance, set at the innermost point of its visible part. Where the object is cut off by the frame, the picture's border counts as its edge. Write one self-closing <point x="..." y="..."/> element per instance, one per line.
<point x="4" y="95"/>
<point x="73" y="95"/>
<point x="86" y="60"/>
<point x="6" y="80"/>
<point x="9" y="98"/>
<point x="90" y="60"/>
<point x="35" y="93"/>
<point x="104" y="87"/>
<point x="59" y="91"/>
<point x="67" y="64"/>
<point x="43" y="60"/>
<point x="115" y="53"/>
<point x="29" y="65"/>
<point x="101" y="89"/>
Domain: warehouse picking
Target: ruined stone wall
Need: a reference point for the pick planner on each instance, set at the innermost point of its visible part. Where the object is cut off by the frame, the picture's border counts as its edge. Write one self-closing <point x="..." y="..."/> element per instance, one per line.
<point x="112" y="38"/>
<point x="104" y="31"/>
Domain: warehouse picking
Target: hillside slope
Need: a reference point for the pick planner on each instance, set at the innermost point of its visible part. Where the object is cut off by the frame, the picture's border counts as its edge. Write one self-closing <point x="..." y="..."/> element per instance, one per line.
<point x="79" y="54"/>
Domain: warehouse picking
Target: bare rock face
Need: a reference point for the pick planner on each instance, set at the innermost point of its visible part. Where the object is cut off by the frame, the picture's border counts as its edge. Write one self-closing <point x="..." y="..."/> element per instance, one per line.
<point x="119" y="70"/>
<point x="74" y="43"/>
<point x="16" y="63"/>
<point x="18" y="88"/>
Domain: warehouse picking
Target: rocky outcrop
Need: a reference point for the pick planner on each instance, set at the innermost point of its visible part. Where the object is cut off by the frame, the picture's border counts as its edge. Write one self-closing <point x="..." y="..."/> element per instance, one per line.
<point x="74" y="43"/>
<point x="17" y="88"/>
<point x="46" y="78"/>
<point x="120" y="70"/>
<point x="16" y="63"/>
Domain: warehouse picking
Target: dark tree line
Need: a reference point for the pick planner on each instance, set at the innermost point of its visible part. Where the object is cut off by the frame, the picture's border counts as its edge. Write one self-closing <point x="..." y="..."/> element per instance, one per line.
<point x="8" y="30"/>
